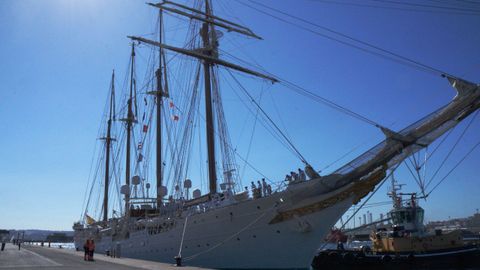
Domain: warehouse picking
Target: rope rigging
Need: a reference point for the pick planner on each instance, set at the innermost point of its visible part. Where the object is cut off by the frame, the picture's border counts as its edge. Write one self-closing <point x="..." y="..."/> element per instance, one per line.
<point x="242" y="174"/>
<point x="400" y="7"/>
<point x="378" y="51"/>
<point x="453" y="148"/>
<point x="454" y="167"/>
<point x="421" y="181"/>
<point x="289" y="142"/>
<point x="315" y="97"/>
<point x="426" y="5"/>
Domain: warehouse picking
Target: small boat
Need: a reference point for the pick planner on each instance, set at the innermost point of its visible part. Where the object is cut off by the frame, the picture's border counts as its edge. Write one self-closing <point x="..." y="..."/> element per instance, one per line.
<point x="405" y="245"/>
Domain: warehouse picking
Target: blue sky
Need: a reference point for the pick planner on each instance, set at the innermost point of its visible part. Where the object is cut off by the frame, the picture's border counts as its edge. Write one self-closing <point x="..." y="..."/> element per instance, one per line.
<point x="57" y="57"/>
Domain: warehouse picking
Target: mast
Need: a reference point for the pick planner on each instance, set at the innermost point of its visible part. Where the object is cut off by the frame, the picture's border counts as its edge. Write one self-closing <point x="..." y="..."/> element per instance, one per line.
<point x="208" y="48"/>
<point x="130" y="118"/>
<point x="209" y="55"/>
<point x="108" y="140"/>
<point x="159" y="98"/>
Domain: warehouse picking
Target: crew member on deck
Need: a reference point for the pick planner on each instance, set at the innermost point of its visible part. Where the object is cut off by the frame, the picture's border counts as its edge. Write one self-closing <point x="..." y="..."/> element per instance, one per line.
<point x="259" y="189"/>
<point x="264" y="187"/>
<point x="301" y="175"/>
<point x="294" y="177"/>
<point x="254" y="188"/>
<point x="269" y="190"/>
<point x="288" y="178"/>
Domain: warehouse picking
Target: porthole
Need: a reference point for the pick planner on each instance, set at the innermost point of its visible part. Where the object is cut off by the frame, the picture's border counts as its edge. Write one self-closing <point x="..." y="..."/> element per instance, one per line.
<point x="254" y="236"/>
<point x="238" y="239"/>
<point x="258" y="207"/>
<point x="278" y="231"/>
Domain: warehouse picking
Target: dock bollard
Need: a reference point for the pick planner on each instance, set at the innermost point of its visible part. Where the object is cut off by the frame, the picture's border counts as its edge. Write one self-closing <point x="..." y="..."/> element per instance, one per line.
<point x="178" y="261"/>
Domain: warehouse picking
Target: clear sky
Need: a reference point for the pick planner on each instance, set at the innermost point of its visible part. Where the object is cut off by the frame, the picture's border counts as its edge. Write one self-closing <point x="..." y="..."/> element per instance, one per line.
<point x="57" y="57"/>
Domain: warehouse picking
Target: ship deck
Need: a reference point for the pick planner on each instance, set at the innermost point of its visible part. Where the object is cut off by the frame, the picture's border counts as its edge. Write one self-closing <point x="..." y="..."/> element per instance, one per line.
<point x="35" y="257"/>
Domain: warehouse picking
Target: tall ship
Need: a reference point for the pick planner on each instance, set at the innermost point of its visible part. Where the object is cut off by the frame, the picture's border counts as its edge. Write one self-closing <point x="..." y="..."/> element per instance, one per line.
<point x="149" y="208"/>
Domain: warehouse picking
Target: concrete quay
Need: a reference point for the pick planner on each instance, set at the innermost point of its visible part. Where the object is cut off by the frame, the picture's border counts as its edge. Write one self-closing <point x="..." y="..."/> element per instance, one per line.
<point x="36" y="257"/>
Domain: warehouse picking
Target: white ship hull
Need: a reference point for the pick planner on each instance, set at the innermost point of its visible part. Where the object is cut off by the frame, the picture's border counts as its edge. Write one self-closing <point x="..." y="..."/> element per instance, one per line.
<point x="238" y="236"/>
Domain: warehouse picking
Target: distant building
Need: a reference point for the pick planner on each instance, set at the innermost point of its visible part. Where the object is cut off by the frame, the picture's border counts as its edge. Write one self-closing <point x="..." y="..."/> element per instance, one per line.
<point x="59" y="237"/>
<point x="471" y="223"/>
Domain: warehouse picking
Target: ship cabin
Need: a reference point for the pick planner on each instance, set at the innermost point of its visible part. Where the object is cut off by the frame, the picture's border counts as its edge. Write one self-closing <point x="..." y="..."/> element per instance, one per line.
<point x="408" y="219"/>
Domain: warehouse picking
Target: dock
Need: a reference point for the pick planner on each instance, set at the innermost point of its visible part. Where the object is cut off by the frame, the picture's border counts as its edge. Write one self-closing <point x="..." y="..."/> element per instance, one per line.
<point x="35" y="257"/>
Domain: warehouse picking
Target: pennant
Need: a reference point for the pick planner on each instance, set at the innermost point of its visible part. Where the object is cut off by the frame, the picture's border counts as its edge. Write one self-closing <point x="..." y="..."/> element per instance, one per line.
<point x="175" y="118"/>
<point x="140" y="145"/>
<point x="140" y="157"/>
<point x="171" y="104"/>
<point x="145" y="128"/>
<point x="90" y="220"/>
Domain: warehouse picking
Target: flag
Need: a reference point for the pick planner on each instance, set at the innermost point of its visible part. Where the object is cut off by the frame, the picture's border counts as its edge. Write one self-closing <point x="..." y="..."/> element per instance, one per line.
<point x="175" y="118"/>
<point x="171" y="104"/>
<point x="90" y="220"/>
<point x="145" y="128"/>
<point x="140" y="145"/>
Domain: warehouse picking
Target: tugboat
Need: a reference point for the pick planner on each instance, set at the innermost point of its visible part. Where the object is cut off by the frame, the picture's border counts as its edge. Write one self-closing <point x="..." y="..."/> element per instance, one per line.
<point x="407" y="245"/>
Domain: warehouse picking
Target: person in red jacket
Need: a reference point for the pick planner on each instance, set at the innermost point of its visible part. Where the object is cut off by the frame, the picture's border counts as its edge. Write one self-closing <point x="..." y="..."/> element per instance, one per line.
<point x="91" y="249"/>
<point x="85" y="249"/>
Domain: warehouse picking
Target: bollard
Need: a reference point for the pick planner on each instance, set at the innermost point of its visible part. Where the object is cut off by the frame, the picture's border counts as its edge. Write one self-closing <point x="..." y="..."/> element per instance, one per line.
<point x="178" y="261"/>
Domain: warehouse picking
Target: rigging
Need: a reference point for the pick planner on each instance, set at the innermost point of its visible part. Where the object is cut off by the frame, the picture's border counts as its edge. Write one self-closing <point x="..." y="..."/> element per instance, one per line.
<point x="396" y="7"/>
<point x="390" y="55"/>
